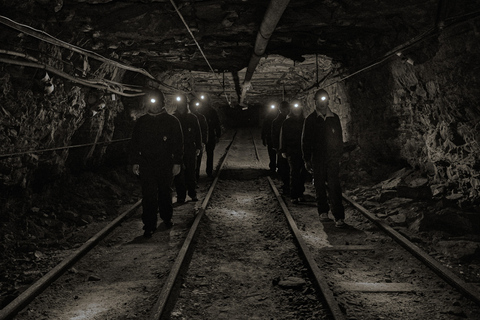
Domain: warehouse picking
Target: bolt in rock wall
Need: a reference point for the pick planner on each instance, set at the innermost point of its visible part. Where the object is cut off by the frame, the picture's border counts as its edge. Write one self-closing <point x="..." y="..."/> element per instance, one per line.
<point x="427" y="115"/>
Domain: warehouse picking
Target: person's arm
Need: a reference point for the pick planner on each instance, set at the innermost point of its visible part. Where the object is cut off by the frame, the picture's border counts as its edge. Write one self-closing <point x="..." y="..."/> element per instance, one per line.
<point x="204" y="127"/>
<point x="177" y="141"/>
<point x="275" y="135"/>
<point x="307" y="143"/>
<point x="134" y="149"/>
<point x="216" y="121"/>
<point x="198" y="135"/>
<point x="282" y="140"/>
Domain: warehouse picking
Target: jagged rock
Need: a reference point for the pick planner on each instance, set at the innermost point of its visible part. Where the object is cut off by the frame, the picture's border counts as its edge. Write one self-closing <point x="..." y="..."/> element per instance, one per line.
<point x="459" y="249"/>
<point x="291" y="282"/>
<point x="421" y="192"/>
<point x="386" y="195"/>
<point x="447" y="220"/>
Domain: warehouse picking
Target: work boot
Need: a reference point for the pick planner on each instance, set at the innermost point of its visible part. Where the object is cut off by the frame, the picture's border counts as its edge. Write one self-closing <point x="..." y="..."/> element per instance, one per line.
<point x="340" y="223"/>
<point x="324" y="217"/>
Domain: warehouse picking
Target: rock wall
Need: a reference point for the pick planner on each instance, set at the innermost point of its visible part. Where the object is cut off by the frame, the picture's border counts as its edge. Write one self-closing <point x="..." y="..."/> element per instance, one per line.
<point x="426" y="114"/>
<point x="33" y="118"/>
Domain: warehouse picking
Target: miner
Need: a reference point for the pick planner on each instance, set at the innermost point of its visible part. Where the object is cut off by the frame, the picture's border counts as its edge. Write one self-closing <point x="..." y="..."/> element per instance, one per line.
<point x="322" y="147"/>
<point x="291" y="149"/>
<point x="156" y="152"/>
<point x="192" y="144"/>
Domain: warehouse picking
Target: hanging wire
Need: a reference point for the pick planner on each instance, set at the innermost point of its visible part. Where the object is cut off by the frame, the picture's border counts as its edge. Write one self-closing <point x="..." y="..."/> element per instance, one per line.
<point x="43" y="36"/>
<point x="422" y="37"/>
<point x="198" y="45"/>
<point x="9" y="155"/>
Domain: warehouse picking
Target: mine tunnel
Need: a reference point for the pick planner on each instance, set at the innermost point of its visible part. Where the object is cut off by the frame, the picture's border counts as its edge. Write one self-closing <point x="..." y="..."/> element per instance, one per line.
<point x="401" y="76"/>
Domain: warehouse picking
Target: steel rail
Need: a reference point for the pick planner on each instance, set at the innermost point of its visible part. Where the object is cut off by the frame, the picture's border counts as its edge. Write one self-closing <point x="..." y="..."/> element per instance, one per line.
<point x="40" y="285"/>
<point x="319" y="277"/>
<point x="161" y="307"/>
<point x="467" y="289"/>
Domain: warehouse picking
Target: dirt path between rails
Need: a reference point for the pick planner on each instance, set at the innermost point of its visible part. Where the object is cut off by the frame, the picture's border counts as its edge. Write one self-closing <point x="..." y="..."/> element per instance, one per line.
<point x="246" y="265"/>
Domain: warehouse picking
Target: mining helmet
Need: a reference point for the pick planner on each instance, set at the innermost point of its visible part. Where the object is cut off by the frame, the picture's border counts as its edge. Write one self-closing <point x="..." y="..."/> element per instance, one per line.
<point x="195" y="103"/>
<point x="296" y="104"/>
<point x="154" y="101"/>
<point x="321" y="95"/>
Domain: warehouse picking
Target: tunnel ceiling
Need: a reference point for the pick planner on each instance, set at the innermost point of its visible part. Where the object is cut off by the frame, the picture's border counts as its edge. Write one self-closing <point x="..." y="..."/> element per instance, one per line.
<point x="150" y="34"/>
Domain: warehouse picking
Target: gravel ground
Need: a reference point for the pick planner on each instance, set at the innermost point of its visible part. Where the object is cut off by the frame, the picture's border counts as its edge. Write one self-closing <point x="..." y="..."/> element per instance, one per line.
<point x="245" y="265"/>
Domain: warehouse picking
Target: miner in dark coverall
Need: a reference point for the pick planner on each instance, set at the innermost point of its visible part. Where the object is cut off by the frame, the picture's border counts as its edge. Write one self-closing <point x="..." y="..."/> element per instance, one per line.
<point x="282" y="163"/>
<point x="195" y="105"/>
<point x="192" y="143"/>
<point x="214" y="130"/>
<point x="156" y="154"/>
<point x="267" y="136"/>
<point x="291" y="149"/>
<point x="322" y="146"/>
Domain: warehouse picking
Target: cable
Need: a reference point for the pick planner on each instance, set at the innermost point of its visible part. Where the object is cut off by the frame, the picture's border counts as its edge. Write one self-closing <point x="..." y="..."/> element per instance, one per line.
<point x="50" y="39"/>
<point x="43" y="36"/>
<point x="9" y="155"/>
<point x="425" y="35"/>
<point x="198" y="45"/>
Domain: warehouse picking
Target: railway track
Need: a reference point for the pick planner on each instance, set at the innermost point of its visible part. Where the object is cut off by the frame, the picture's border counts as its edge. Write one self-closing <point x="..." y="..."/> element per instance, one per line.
<point x="231" y="256"/>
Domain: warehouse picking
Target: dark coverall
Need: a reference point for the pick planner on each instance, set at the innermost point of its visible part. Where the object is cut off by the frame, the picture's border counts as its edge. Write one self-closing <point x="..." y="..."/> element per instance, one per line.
<point x="322" y="144"/>
<point x="282" y="163"/>
<point x="204" y="130"/>
<point x="192" y="140"/>
<point x="267" y="140"/>
<point x="291" y="144"/>
<point x="156" y="145"/>
<point x="214" y="132"/>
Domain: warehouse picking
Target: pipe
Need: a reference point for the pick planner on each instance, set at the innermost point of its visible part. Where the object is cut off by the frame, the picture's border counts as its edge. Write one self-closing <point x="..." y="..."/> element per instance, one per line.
<point x="272" y="16"/>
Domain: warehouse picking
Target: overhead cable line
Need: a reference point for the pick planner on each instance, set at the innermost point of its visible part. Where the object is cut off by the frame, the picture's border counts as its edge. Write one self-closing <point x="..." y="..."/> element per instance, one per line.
<point x="9" y="155"/>
<point x="422" y="37"/>
<point x="199" y="48"/>
<point x="43" y="36"/>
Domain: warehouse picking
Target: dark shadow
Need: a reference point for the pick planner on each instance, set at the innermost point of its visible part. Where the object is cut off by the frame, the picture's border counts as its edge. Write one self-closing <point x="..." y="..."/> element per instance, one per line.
<point x="243" y="174"/>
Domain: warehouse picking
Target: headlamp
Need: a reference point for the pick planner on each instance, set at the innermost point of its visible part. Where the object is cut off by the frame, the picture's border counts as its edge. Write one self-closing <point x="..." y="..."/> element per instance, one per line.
<point x="323" y="98"/>
<point x="296" y="105"/>
<point x="202" y="97"/>
<point x="179" y="98"/>
<point x="153" y="100"/>
<point x="272" y="106"/>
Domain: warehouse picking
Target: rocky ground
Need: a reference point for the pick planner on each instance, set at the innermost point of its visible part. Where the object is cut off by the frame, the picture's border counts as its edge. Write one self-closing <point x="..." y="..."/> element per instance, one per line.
<point x="36" y="228"/>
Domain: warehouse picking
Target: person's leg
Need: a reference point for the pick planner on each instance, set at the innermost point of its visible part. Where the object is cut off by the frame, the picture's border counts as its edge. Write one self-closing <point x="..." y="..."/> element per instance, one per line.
<point x="295" y="165"/>
<point x="197" y="167"/>
<point x="164" y="204"/>
<point x="319" y="180"/>
<point x="190" y="162"/>
<point x="210" y="148"/>
<point x="272" y="155"/>
<point x="284" y="172"/>
<point x="149" y="200"/>
<point x="180" y="185"/>
<point x="335" y="190"/>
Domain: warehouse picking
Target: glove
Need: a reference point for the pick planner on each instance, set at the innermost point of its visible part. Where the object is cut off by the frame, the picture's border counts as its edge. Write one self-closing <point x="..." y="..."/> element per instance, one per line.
<point x="197" y="152"/>
<point x="308" y="166"/>
<point x="136" y="169"/>
<point x="284" y="155"/>
<point x="176" y="169"/>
